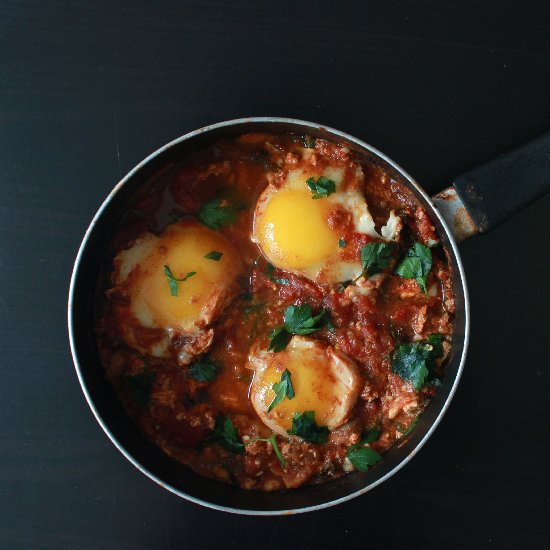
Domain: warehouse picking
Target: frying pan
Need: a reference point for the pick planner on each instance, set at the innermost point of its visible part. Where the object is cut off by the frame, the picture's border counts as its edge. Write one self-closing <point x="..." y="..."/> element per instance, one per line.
<point x="478" y="201"/>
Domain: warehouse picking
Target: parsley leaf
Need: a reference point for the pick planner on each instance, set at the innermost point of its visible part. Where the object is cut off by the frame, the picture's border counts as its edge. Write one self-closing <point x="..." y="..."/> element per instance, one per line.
<point x="269" y="270"/>
<point x="273" y="440"/>
<point x="218" y="213"/>
<point x="323" y="187"/>
<point x="297" y="320"/>
<point x="370" y="436"/>
<point x="362" y="457"/>
<point x="173" y="281"/>
<point x="411" y="427"/>
<point x="226" y="435"/>
<point x="416" y="265"/>
<point x="415" y="362"/>
<point x="282" y="389"/>
<point x="375" y="257"/>
<point x="342" y="243"/>
<point x="214" y="255"/>
<point x="140" y="386"/>
<point x="304" y="426"/>
<point x="279" y="339"/>
<point x="203" y="371"/>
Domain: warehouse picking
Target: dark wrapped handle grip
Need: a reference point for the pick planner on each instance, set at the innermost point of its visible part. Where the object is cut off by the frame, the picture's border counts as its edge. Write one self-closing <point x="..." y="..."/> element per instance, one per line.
<point x="495" y="191"/>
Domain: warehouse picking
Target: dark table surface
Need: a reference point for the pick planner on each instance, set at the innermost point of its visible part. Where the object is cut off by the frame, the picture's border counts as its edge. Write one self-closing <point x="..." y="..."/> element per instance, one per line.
<point x="88" y="89"/>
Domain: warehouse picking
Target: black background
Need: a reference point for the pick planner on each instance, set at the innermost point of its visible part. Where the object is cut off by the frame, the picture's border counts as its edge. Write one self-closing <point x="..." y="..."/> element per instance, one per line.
<point x="88" y="89"/>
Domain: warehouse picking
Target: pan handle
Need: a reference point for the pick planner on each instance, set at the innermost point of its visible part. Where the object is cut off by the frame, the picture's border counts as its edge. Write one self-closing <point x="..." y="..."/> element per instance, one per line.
<point x="484" y="197"/>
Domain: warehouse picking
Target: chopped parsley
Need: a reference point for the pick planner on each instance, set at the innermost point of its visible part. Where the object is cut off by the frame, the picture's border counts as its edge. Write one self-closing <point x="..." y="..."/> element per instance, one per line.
<point x="282" y="389"/>
<point x="375" y="257"/>
<point x="140" y="386"/>
<point x="273" y="440"/>
<point x="203" y="371"/>
<point x="218" y="213"/>
<point x="323" y="187"/>
<point x="416" y="265"/>
<point x="297" y="320"/>
<point x="226" y="435"/>
<point x="304" y="426"/>
<point x="269" y="270"/>
<point x="173" y="281"/>
<point x="342" y="243"/>
<point x="362" y="457"/>
<point x="214" y="255"/>
<point x="416" y="361"/>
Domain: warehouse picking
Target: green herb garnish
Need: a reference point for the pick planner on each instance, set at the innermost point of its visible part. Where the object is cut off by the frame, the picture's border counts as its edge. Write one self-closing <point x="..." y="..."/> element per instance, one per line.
<point x="416" y="265"/>
<point x="173" y="281"/>
<point x="342" y="243"/>
<point x="304" y="426"/>
<point x="297" y="320"/>
<point x="362" y="457"/>
<point x="375" y="257"/>
<point x="282" y="389"/>
<point x="226" y="435"/>
<point x="323" y="187"/>
<point x="214" y="255"/>
<point x="411" y="427"/>
<point x="269" y="270"/>
<point x="203" y="371"/>
<point x="140" y="386"/>
<point x="273" y="440"/>
<point x="415" y="362"/>
<point x="218" y="213"/>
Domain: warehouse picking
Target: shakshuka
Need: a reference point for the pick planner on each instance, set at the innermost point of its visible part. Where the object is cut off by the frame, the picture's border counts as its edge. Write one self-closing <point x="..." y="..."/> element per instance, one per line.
<point x="275" y="310"/>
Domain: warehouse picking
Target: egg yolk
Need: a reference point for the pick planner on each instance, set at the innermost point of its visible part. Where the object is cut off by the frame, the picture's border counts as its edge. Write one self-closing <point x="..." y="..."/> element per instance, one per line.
<point x="313" y="382"/>
<point x="183" y="250"/>
<point x="293" y="230"/>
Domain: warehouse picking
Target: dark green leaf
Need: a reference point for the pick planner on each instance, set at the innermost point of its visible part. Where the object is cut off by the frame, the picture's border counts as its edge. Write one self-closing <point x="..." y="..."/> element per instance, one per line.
<point x="409" y="362"/>
<point x="363" y="457"/>
<point x="411" y="427"/>
<point x="376" y="257"/>
<point x="203" y="371"/>
<point x="371" y="435"/>
<point x="173" y="281"/>
<point x="323" y="187"/>
<point x="416" y="265"/>
<point x="297" y="320"/>
<point x="342" y="243"/>
<point x="226" y="435"/>
<point x="218" y="213"/>
<point x="415" y="362"/>
<point x="214" y="255"/>
<point x="269" y="270"/>
<point x="140" y="386"/>
<point x="304" y="426"/>
<point x="282" y="389"/>
<point x="279" y="339"/>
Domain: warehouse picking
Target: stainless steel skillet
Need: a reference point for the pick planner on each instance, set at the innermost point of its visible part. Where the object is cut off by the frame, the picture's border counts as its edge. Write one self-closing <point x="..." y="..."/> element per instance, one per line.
<point x="478" y="201"/>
